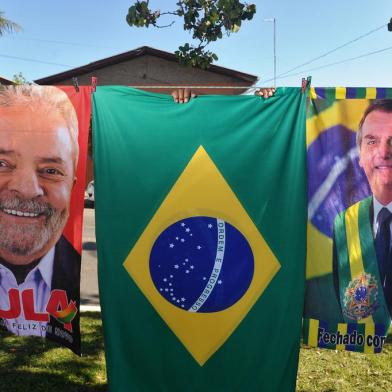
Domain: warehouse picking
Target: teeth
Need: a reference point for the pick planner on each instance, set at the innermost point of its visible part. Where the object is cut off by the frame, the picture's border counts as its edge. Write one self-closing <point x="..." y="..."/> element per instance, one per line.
<point x="20" y="213"/>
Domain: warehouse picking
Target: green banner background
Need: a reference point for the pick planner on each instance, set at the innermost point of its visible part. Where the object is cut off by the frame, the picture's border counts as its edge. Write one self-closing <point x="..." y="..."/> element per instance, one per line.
<point x="142" y="143"/>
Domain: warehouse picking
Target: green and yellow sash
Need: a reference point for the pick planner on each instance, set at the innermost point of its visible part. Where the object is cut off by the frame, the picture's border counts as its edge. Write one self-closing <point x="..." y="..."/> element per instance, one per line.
<point x="361" y="294"/>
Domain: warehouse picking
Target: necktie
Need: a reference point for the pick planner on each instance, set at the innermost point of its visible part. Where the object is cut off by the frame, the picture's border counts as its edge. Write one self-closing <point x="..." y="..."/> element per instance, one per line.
<point x="384" y="256"/>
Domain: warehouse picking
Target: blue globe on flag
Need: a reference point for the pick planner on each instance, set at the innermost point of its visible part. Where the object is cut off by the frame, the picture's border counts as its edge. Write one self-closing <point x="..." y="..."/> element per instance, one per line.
<point x="201" y="264"/>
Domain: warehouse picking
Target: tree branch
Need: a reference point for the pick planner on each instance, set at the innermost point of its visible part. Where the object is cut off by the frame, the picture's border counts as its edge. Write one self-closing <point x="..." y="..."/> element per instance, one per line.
<point x="163" y="27"/>
<point x="175" y="13"/>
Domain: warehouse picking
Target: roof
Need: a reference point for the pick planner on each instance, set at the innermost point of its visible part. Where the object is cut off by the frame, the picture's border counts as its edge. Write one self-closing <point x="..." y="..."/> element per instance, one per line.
<point x="132" y="54"/>
<point x="6" y="81"/>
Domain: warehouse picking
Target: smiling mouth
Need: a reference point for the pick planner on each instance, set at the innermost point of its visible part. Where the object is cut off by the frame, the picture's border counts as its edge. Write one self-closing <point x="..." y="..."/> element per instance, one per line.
<point x="20" y="213"/>
<point x="383" y="167"/>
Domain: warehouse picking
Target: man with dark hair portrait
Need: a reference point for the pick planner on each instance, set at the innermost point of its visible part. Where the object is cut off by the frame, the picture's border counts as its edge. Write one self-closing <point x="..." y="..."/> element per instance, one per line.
<point x="39" y="268"/>
<point x="362" y="262"/>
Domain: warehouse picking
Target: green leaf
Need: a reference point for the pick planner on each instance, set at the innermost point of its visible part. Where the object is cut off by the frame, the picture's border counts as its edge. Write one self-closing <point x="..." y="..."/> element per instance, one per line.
<point x="206" y="20"/>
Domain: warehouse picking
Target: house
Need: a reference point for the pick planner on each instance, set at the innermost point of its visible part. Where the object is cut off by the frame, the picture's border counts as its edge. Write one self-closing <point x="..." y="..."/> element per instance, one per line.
<point x="6" y="82"/>
<point x="147" y="67"/>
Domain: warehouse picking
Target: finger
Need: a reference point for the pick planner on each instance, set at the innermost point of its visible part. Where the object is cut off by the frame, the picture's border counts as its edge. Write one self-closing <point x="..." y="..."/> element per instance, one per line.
<point x="263" y="92"/>
<point x="186" y="95"/>
<point x="175" y="95"/>
<point x="181" y="95"/>
<point x="266" y="92"/>
<point x="193" y="94"/>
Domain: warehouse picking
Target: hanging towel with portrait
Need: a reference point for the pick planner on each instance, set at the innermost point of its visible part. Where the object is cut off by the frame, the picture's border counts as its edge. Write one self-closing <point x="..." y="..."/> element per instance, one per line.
<point x="348" y="297"/>
<point x="43" y="148"/>
<point x="201" y="216"/>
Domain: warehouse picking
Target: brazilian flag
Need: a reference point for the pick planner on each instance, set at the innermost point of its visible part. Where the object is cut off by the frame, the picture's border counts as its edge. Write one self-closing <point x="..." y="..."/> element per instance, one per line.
<point x="201" y="225"/>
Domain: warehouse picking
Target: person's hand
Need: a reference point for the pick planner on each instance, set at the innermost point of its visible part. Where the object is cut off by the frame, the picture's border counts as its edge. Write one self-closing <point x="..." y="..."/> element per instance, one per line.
<point x="183" y="95"/>
<point x="266" y="92"/>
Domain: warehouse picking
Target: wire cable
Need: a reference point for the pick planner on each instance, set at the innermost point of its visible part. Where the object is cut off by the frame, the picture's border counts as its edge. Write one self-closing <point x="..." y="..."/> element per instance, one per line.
<point x="330" y="64"/>
<point x="333" y="50"/>
<point x="35" y="61"/>
<point x="62" y="42"/>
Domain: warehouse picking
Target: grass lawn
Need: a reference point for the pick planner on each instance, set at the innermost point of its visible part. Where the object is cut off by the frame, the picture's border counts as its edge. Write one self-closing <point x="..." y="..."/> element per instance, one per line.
<point x="32" y="364"/>
<point x="344" y="371"/>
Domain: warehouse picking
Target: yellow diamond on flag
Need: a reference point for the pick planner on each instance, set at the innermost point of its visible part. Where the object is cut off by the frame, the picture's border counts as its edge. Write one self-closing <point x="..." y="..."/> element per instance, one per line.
<point x="201" y="191"/>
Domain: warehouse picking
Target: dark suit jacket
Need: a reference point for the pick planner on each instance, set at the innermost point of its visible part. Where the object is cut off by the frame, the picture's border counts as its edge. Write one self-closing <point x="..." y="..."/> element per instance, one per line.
<point x="66" y="276"/>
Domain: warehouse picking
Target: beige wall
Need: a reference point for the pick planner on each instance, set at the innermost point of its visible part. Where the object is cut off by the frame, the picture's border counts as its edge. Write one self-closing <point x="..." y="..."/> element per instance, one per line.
<point x="152" y="71"/>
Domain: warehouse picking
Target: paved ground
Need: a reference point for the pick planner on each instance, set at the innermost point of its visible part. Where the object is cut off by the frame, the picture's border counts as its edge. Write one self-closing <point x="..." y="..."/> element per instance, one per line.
<point x="89" y="280"/>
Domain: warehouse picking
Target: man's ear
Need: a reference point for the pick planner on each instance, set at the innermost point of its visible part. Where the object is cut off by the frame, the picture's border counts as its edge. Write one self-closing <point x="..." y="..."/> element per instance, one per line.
<point x="74" y="183"/>
<point x="360" y="158"/>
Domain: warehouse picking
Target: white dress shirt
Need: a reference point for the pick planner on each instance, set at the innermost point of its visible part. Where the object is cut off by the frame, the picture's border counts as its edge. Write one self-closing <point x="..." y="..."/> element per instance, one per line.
<point x="40" y="280"/>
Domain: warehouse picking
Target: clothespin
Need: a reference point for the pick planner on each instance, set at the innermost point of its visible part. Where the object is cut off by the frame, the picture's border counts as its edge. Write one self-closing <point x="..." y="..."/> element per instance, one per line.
<point x="75" y="83"/>
<point x="94" y="83"/>
<point x="305" y="83"/>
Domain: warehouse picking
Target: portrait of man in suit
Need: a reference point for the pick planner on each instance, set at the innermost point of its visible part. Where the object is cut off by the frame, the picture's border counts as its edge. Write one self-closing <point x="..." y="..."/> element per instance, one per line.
<point x="362" y="255"/>
<point x="38" y="159"/>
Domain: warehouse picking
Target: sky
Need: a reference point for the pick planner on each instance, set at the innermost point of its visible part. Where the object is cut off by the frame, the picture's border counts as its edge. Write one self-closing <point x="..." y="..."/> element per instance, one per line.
<point x="58" y="36"/>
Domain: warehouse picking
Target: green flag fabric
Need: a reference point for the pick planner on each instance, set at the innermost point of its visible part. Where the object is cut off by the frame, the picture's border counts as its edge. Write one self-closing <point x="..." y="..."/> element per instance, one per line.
<point x="201" y="226"/>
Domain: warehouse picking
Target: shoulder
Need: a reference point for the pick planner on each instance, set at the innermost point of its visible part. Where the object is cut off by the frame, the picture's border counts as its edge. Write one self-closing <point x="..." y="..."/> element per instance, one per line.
<point x="352" y="210"/>
<point x="66" y="267"/>
<point x="65" y="250"/>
